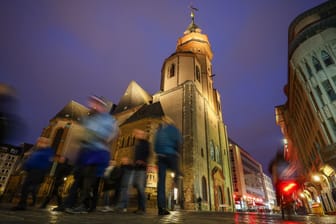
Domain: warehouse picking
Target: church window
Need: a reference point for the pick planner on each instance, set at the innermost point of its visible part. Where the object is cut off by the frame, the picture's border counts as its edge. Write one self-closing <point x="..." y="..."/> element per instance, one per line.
<point x="204" y="189"/>
<point x="220" y="195"/>
<point x="171" y="71"/>
<point x="329" y="89"/>
<point x="316" y="64"/>
<point x="217" y="154"/>
<point x="326" y="58"/>
<point x="202" y="152"/>
<point x="57" y="138"/>
<point x="128" y="143"/>
<point x="228" y="193"/>
<point x="212" y="150"/>
<point x="122" y="140"/>
<point x="198" y="73"/>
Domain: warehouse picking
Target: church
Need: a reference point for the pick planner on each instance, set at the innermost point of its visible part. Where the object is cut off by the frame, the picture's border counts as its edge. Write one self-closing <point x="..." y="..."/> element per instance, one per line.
<point x="187" y="97"/>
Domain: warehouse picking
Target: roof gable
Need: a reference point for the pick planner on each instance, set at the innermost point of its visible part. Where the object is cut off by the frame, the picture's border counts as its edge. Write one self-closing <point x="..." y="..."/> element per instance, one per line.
<point x="73" y="111"/>
<point x="133" y="96"/>
<point x="147" y="111"/>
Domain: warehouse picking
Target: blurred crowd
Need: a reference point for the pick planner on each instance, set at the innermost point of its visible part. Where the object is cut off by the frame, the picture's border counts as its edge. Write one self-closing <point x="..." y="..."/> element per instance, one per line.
<point x="94" y="165"/>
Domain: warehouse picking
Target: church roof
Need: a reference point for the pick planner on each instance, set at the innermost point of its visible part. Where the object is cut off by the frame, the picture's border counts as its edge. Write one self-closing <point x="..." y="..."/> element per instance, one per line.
<point x="73" y="110"/>
<point x="147" y="111"/>
<point x="133" y="96"/>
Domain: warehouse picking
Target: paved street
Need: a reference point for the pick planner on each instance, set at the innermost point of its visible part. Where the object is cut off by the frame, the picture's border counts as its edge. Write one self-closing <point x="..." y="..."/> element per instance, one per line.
<point x="45" y="216"/>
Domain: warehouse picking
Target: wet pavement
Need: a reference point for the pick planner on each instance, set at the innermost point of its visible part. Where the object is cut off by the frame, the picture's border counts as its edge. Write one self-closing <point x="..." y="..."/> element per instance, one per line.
<point x="45" y="216"/>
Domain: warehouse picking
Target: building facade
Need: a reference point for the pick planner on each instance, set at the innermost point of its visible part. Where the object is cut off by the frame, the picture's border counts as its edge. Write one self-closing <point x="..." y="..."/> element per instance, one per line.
<point x="188" y="98"/>
<point x="308" y="118"/>
<point x="248" y="180"/>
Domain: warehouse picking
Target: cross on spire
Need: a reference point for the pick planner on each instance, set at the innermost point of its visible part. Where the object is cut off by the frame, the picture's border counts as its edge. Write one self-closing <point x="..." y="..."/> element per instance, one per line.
<point x="192" y="14"/>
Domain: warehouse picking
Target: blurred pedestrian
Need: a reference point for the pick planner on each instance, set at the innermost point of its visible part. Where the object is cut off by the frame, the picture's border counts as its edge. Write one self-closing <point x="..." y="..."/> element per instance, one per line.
<point x="63" y="169"/>
<point x="11" y="125"/>
<point x="100" y="129"/>
<point x="112" y="179"/>
<point x="36" y="166"/>
<point x="141" y="155"/>
<point x="126" y="179"/>
<point x="167" y="145"/>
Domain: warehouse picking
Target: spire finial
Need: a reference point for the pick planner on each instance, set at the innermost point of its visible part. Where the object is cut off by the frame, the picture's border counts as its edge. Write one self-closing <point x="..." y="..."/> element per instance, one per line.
<point x="192" y="14"/>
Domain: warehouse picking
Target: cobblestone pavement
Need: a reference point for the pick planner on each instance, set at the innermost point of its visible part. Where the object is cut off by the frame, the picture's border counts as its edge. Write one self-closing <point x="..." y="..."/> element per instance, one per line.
<point x="46" y="216"/>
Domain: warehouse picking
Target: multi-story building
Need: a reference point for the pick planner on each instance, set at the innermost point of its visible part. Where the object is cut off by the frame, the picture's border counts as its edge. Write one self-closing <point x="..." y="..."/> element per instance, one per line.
<point x="248" y="180"/>
<point x="9" y="156"/>
<point x="308" y="118"/>
<point x="270" y="197"/>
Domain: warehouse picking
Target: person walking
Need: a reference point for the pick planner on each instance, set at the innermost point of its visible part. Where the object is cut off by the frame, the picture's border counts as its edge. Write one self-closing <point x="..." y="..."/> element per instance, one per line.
<point x="63" y="169"/>
<point x="112" y="178"/>
<point x="36" y="166"/>
<point x="167" y="145"/>
<point x="126" y="179"/>
<point x="100" y="129"/>
<point x="141" y="155"/>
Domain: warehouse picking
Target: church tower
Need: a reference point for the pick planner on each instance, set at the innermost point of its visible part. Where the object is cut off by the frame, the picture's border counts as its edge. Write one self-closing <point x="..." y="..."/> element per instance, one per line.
<point x="188" y="97"/>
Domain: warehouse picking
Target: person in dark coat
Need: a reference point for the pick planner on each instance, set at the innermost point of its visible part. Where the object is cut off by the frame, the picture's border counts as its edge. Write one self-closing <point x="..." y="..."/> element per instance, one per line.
<point x="141" y="155"/>
<point x="63" y="169"/>
<point x="112" y="178"/>
<point x="167" y="145"/>
<point x="37" y="166"/>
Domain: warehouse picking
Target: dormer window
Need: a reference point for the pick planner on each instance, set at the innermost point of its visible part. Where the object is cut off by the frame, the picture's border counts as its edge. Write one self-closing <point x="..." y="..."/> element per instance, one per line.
<point x="171" y="72"/>
<point x="326" y="58"/>
<point x="316" y="64"/>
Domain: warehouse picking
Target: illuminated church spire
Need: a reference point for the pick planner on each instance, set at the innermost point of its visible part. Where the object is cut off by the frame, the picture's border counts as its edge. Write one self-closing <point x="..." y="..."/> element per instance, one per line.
<point x="192" y="26"/>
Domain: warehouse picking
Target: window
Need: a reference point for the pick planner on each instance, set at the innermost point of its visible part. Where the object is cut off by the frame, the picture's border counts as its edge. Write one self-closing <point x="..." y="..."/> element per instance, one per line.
<point x="204" y="189"/>
<point x="198" y="73"/>
<point x="171" y="71"/>
<point x="202" y="152"/>
<point x="319" y="94"/>
<point x="332" y="124"/>
<point x="212" y="151"/>
<point x="330" y="91"/>
<point x="316" y="64"/>
<point x="309" y="71"/>
<point x="326" y="58"/>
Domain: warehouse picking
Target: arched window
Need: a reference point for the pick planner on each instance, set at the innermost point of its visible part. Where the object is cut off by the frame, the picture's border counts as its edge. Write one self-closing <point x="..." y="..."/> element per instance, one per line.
<point x="309" y="71"/>
<point x="198" y="73"/>
<point x="326" y="58"/>
<point x="329" y="89"/>
<point x="57" y="138"/>
<point x="217" y="154"/>
<point x="204" y="189"/>
<point x="316" y="64"/>
<point x="172" y="70"/>
<point x="220" y="157"/>
<point x="212" y="151"/>
<point x="220" y="195"/>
